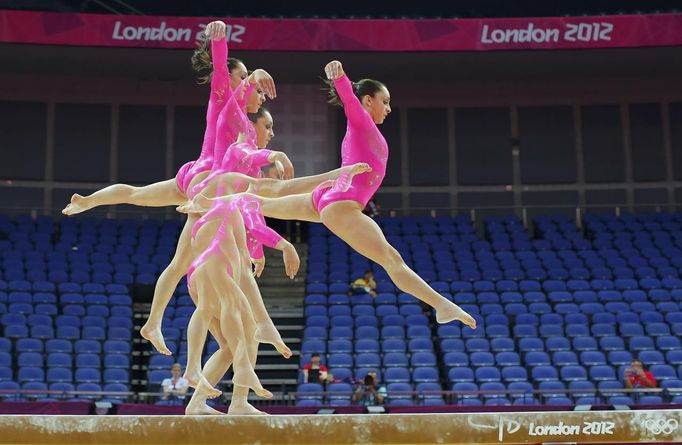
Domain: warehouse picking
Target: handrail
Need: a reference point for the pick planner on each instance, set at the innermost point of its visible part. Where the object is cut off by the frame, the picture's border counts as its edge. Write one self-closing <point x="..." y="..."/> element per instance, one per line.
<point x="289" y="398"/>
<point x="62" y="392"/>
<point x="667" y="391"/>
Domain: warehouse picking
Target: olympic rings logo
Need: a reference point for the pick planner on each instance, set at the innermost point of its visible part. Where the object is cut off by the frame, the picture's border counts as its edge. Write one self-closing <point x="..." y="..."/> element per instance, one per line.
<point x="661" y="426"/>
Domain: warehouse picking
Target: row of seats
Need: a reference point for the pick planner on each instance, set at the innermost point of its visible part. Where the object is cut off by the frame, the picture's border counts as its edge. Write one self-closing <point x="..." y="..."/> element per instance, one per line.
<point x="672" y="287"/>
<point x="7" y="386"/>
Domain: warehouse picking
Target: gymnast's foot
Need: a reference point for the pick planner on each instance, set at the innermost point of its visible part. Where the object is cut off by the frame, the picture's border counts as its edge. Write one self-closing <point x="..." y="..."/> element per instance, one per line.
<point x="199" y="204"/>
<point x="238" y="408"/>
<point x="356" y="169"/>
<point x="197" y="407"/>
<point x="266" y="332"/>
<point x="345" y="178"/>
<point x="155" y="337"/>
<point x="449" y="311"/>
<point x="250" y="379"/>
<point x="201" y="386"/>
<point x="76" y="206"/>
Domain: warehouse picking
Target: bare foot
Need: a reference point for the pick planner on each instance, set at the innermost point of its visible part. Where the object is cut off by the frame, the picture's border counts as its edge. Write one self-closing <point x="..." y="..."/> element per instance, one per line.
<point x="345" y="179"/>
<point x="197" y="407"/>
<point x="76" y="205"/>
<point x="244" y="409"/>
<point x="266" y="332"/>
<point x="448" y="311"/>
<point x="201" y="385"/>
<point x="356" y="169"/>
<point x="250" y="379"/>
<point x="154" y="335"/>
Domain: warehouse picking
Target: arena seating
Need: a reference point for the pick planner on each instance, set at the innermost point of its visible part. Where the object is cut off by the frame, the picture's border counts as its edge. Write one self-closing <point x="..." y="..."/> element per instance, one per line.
<point x="561" y="311"/>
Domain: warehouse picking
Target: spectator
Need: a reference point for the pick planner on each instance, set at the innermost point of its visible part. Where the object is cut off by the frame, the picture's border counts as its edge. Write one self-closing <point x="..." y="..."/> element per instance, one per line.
<point x="314" y="372"/>
<point x="175" y="388"/>
<point x="364" y="285"/>
<point x="369" y="393"/>
<point x="637" y="377"/>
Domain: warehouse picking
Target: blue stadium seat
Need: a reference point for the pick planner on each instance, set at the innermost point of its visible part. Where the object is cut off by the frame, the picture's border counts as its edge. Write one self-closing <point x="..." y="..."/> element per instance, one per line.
<point x="418" y="331"/>
<point x="119" y="361"/>
<point x="340" y="332"/>
<point x="340" y="346"/>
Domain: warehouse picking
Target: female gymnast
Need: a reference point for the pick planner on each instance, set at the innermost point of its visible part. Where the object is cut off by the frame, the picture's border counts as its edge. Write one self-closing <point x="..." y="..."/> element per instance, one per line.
<point x="366" y="104"/>
<point x="227" y="74"/>
<point x="244" y="179"/>
<point x="213" y="279"/>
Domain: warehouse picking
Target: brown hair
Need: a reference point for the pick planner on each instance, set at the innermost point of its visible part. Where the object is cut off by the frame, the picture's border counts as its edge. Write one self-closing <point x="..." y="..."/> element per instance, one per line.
<point x="361" y="88"/>
<point x="258" y="114"/>
<point x="202" y="64"/>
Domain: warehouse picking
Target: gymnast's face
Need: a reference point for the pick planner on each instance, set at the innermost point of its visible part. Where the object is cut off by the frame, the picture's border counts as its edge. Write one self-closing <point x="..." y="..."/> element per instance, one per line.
<point x="378" y="106"/>
<point x="264" y="132"/>
<point x="237" y="74"/>
<point x="255" y="100"/>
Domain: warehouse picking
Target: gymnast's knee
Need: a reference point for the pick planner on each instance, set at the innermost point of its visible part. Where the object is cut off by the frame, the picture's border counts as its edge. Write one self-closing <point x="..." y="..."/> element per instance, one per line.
<point x="391" y="258"/>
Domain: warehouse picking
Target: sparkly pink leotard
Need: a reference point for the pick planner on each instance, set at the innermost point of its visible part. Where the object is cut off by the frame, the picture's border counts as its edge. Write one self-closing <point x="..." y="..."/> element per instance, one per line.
<point x="218" y="99"/>
<point x="363" y="143"/>
<point x="230" y="156"/>
<point x="257" y="233"/>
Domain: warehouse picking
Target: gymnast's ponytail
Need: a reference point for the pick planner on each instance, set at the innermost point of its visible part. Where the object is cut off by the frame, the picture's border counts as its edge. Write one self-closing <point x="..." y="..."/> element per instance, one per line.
<point x="361" y="88"/>
<point x="202" y="64"/>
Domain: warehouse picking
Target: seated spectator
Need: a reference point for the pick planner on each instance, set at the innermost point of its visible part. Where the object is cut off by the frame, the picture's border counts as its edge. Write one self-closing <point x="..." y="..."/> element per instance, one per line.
<point x="364" y="285"/>
<point x="315" y="372"/>
<point x="369" y="393"/>
<point x="175" y="388"/>
<point x="637" y="377"/>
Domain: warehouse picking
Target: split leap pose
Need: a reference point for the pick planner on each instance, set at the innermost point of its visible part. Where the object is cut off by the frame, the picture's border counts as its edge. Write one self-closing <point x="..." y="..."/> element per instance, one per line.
<point x="227" y="74"/>
<point x="366" y="104"/>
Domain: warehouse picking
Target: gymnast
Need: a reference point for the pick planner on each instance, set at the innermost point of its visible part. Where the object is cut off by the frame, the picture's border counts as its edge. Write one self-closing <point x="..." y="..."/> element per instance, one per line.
<point x="245" y="158"/>
<point x="366" y="104"/>
<point x="226" y="76"/>
<point x="224" y="226"/>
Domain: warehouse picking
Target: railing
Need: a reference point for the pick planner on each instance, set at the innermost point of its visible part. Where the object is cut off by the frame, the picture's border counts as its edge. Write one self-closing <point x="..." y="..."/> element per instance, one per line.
<point x="456" y="397"/>
<point x="289" y="398"/>
<point x="57" y="394"/>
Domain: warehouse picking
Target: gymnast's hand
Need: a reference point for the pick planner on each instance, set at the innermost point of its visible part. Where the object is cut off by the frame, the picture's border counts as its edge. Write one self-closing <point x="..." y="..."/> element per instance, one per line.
<point x="215" y="30"/>
<point x="285" y="169"/>
<point x="291" y="260"/>
<point x="264" y="81"/>
<point x="259" y="265"/>
<point x="333" y="70"/>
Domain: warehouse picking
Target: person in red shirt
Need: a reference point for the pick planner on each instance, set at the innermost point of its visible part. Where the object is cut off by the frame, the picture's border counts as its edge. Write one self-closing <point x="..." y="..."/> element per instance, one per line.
<point x="637" y="377"/>
<point x="315" y="372"/>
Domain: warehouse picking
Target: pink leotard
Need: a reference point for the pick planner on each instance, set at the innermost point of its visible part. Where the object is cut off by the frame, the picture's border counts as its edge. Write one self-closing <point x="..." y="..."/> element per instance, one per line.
<point x="220" y="94"/>
<point x="258" y="233"/>
<point x="363" y="143"/>
<point x="232" y="121"/>
<point x="243" y="157"/>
